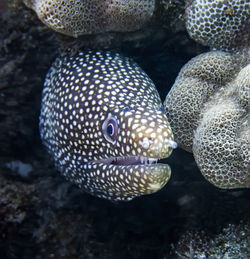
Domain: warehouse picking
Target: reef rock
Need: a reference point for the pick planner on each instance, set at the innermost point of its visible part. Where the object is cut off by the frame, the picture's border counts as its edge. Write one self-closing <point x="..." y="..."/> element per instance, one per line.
<point x="208" y="110"/>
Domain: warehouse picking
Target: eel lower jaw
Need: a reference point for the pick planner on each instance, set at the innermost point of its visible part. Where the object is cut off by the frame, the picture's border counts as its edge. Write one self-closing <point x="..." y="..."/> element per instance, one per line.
<point x="127" y="177"/>
<point x="128" y="161"/>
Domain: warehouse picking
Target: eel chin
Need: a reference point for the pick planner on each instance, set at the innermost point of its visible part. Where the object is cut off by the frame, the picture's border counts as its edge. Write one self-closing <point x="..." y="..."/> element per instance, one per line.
<point x="123" y="178"/>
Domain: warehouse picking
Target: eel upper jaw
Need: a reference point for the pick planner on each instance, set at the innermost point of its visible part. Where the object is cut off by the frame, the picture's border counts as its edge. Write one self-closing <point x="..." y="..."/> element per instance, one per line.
<point x="128" y="161"/>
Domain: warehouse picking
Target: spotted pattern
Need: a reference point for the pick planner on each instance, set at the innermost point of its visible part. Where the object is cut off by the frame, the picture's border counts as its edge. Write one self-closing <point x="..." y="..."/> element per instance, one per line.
<point x="82" y="96"/>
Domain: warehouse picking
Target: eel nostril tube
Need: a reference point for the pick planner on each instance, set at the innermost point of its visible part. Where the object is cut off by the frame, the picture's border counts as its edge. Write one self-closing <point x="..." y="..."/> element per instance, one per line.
<point x="145" y="143"/>
<point x="171" y="143"/>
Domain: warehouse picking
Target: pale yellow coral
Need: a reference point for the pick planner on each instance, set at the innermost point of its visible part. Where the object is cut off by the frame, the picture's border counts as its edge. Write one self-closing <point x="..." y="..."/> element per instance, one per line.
<point x="208" y="110"/>
<point x="80" y="17"/>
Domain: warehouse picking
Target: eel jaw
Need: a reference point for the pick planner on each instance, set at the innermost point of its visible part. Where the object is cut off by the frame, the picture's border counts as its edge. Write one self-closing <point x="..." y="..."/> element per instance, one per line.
<point x="124" y="178"/>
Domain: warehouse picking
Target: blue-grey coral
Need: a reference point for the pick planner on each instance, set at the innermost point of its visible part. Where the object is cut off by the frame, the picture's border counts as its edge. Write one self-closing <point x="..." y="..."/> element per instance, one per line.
<point x="219" y="24"/>
<point x="81" y="17"/>
<point x="208" y="110"/>
<point x="103" y="122"/>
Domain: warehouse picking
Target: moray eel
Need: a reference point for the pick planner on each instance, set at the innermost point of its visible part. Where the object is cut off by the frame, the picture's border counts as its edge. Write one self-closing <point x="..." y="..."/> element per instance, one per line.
<point x="103" y="122"/>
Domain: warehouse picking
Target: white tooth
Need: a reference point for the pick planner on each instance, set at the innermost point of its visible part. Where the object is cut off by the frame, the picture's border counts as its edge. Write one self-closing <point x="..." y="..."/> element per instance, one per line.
<point x="141" y="159"/>
<point x="151" y="160"/>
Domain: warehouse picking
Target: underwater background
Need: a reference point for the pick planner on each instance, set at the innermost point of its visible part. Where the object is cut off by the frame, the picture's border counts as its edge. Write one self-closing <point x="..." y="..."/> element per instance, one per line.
<point x="44" y="216"/>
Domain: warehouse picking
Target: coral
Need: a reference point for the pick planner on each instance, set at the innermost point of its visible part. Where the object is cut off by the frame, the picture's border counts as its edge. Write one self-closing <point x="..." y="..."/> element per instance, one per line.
<point x="219" y="24"/>
<point x="208" y="110"/>
<point x="197" y="80"/>
<point x="75" y="18"/>
<point x="232" y="242"/>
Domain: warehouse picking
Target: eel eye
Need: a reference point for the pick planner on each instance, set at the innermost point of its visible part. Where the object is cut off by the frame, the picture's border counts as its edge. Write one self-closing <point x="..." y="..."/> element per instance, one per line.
<point x="110" y="129"/>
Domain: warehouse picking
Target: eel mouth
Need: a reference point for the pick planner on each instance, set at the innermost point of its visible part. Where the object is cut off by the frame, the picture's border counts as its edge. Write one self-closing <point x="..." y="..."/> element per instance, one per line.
<point x="128" y="160"/>
<point x="131" y="176"/>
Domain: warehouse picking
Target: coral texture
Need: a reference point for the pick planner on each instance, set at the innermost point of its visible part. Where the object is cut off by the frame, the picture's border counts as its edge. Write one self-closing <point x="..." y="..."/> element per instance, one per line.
<point x="208" y="110"/>
<point x="219" y="24"/>
<point x="231" y="242"/>
<point x="75" y="18"/>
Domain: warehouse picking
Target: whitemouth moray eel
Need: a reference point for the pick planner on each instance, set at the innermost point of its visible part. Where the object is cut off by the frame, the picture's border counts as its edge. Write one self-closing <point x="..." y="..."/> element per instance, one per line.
<point x="103" y="122"/>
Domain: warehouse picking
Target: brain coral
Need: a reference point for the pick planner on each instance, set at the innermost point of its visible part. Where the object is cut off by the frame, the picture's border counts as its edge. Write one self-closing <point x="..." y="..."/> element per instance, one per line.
<point x="208" y="110"/>
<point x="220" y="24"/>
<point x="75" y="18"/>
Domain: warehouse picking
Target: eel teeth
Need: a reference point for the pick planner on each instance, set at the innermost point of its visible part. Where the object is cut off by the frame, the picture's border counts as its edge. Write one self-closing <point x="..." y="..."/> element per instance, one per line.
<point x="139" y="160"/>
<point x="152" y="160"/>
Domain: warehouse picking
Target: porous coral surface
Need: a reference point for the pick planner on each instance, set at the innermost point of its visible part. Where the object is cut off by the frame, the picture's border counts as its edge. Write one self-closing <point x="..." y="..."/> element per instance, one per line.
<point x="74" y="18"/>
<point x="196" y="82"/>
<point x="221" y="141"/>
<point x="208" y="110"/>
<point x="219" y="24"/>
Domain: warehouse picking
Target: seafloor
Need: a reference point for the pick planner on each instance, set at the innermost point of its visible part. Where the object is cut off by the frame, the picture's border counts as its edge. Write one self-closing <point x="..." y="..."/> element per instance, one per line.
<point x="44" y="216"/>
